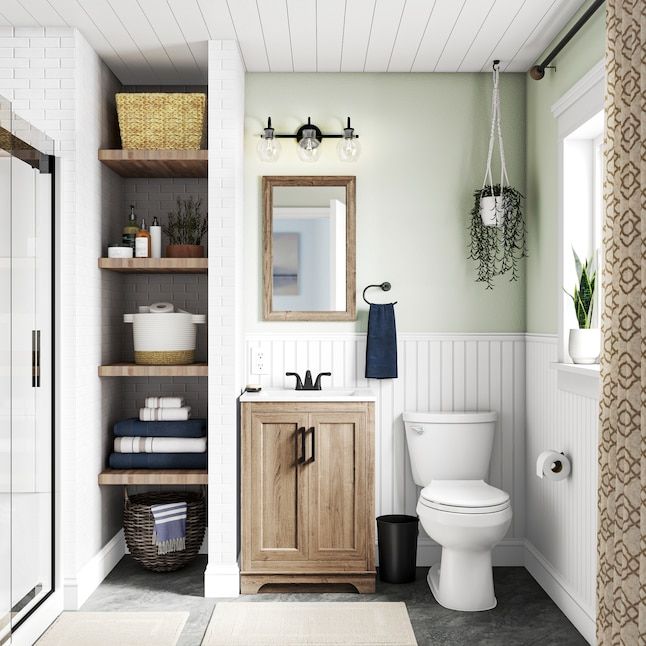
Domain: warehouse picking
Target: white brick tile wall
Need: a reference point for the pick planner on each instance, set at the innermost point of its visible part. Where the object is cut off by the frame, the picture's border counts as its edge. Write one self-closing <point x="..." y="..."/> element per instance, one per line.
<point x="224" y="336"/>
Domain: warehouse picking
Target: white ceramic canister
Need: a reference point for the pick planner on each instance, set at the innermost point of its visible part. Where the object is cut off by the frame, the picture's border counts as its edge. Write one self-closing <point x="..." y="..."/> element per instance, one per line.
<point x="119" y="250"/>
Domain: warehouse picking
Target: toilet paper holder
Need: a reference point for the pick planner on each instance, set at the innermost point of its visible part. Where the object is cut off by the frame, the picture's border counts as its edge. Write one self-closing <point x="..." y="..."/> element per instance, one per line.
<point x="553" y="465"/>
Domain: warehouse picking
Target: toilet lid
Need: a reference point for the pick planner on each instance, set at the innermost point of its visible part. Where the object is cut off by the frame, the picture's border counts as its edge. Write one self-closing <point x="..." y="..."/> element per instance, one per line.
<point x="466" y="496"/>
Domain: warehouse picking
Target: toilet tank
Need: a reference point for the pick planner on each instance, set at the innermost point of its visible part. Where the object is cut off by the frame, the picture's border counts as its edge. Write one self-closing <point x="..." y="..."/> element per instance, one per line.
<point x="449" y="446"/>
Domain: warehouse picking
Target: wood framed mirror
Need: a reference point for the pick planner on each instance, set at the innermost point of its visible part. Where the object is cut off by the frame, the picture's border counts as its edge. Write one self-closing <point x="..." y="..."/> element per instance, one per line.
<point x="309" y="243"/>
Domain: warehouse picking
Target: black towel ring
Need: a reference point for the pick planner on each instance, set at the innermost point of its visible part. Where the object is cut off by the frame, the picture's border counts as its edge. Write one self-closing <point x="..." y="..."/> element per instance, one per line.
<point x="385" y="286"/>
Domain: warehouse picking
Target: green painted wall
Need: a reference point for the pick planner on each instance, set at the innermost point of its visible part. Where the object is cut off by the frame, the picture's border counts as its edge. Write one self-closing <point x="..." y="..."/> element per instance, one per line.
<point x="424" y="139"/>
<point x="578" y="57"/>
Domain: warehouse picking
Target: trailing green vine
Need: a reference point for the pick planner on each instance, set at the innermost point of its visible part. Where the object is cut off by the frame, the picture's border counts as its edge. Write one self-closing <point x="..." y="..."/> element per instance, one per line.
<point x="498" y="249"/>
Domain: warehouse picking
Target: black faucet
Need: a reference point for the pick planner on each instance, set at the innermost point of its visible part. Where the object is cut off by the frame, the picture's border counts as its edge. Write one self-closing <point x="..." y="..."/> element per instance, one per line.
<point x="308" y="384"/>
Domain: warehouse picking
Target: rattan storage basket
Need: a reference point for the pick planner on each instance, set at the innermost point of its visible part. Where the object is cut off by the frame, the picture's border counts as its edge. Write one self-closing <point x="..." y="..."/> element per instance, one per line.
<point x="138" y="527"/>
<point x="161" y="120"/>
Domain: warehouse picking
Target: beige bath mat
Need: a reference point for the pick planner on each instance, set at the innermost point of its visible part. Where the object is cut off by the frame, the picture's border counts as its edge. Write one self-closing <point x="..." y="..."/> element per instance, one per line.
<point x="112" y="628"/>
<point x="309" y="624"/>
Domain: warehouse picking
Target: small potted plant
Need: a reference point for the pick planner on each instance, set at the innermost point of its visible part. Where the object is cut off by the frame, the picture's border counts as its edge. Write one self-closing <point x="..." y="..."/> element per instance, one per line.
<point x="584" y="344"/>
<point x="185" y="229"/>
<point x="497" y="225"/>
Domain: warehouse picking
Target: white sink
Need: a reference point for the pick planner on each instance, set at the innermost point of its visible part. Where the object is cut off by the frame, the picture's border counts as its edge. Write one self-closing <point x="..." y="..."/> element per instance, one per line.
<point x="327" y="394"/>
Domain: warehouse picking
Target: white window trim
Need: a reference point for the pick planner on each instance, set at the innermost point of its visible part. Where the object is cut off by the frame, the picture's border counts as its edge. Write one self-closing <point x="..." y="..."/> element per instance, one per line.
<point x="579" y="104"/>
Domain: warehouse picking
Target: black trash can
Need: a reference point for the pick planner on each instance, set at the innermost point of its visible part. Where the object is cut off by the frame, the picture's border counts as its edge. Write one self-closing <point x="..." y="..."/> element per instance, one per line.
<point x="397" y="535"/>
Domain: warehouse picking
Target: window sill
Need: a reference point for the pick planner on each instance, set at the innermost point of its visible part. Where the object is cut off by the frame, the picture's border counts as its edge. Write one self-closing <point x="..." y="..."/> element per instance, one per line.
<point x="579" y="379"/>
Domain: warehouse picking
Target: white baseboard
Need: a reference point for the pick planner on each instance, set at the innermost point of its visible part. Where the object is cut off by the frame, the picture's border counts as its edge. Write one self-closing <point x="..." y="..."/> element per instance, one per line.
<point x="222" y="580"/>
<point x="88" y="578"/>
<point x="561" y="593"/>
<point x="510" y="552"/>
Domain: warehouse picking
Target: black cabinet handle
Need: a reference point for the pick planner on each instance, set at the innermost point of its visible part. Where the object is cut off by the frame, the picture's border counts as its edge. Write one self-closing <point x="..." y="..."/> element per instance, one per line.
<point x="313" y="432"/>
<point x="301" y="433"/>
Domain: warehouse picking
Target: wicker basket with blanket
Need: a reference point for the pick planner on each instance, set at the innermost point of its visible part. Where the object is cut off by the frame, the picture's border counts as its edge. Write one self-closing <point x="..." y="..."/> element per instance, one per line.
<point x="139" y="528"/>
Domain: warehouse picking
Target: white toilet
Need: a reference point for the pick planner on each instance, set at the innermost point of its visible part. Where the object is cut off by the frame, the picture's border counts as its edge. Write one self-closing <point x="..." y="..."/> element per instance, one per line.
<point x="449" y="456"/>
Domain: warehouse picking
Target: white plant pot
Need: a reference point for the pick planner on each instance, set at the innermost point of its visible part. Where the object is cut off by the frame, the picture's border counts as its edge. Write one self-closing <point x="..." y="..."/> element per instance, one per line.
<point x="491" y="210"/>
<point x="584" y="345"/>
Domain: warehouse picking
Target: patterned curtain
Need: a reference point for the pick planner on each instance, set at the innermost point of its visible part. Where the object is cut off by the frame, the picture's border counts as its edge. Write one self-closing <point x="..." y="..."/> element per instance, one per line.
<point x="621" y="579"/>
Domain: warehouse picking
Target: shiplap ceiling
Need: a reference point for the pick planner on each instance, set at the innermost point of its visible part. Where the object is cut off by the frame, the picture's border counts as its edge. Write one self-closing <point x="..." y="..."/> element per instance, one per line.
<point x="164" y="41"/>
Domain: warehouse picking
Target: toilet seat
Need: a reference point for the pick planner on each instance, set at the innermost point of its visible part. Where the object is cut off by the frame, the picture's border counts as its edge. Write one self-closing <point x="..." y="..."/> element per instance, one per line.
<point x="464" y="497"/>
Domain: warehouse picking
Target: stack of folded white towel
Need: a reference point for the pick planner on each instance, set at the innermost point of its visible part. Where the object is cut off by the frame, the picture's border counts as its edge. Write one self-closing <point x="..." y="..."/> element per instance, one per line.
<point x="164" y="409"/>
<point x="164" y="437"/>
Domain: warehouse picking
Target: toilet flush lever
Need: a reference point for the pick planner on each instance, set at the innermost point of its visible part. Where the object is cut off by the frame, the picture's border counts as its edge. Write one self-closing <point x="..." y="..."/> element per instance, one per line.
<point x="418" y="429"/>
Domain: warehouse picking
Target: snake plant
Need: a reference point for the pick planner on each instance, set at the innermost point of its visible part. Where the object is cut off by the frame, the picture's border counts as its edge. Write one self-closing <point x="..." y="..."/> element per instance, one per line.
<point x="583" y="296"/>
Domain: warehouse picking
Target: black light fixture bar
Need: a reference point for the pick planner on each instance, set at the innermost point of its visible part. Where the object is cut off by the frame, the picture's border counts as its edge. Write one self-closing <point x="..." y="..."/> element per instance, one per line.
<point x="537" y="72"/>
<point x="309" y="125"/>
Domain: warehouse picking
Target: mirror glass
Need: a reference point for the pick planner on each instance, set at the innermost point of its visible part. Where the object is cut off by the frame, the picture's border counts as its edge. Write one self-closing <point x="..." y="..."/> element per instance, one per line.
<point x="310" y="227"/>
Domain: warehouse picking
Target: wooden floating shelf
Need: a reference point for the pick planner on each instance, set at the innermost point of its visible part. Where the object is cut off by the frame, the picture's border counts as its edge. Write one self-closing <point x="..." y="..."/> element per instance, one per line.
<point x="156" y="163"/>
<point x="156" y="265"/>
<point x="153" y="477"/>
<point x="134" y="370"/>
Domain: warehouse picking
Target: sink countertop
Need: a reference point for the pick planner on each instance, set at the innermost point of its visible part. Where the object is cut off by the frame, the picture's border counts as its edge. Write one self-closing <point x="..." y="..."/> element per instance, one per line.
<point x="326" y="395"/>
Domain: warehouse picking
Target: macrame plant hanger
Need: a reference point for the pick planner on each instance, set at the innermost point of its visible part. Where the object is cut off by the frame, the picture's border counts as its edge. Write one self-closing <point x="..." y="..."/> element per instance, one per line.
<point x="496" y="129"/>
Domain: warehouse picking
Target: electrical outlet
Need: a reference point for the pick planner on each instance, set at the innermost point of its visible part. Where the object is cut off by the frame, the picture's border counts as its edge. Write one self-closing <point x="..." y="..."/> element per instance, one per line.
<point x="258" y="364"/>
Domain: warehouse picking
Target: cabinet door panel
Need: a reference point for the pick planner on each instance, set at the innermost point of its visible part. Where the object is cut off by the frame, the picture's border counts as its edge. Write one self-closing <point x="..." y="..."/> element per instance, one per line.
<point x="338" y="487"/>
<point x="277" y="493"/>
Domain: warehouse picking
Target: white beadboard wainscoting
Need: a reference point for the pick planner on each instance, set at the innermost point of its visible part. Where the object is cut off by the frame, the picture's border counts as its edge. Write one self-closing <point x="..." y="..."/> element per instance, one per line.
<point x="450" y="372"/>
<point x="561" y="531"/>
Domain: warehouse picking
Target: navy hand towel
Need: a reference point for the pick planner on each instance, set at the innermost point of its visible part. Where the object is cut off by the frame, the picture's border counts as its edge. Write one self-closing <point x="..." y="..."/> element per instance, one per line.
<point x="381" y="346"/>
<point x="157" y="461"/>
<point x="133" y="427"/>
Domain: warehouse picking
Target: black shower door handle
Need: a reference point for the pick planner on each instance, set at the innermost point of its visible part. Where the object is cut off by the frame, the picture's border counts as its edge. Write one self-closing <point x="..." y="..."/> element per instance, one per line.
<point x="35" y="358"/>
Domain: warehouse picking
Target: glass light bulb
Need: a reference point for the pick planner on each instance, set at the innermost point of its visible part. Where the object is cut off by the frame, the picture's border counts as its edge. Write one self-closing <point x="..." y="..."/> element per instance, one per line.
<point x="348" y="149"/>
<point x="309" y="149"/>
<point x="268" y="149"/>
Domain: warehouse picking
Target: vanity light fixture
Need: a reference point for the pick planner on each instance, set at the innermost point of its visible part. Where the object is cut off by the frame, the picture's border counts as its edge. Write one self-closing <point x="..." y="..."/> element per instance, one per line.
<point x="309" y="138"/>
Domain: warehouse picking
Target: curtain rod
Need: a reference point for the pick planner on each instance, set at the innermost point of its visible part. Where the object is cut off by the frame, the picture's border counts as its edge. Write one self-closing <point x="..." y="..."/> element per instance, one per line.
<point x="537" y="72"/>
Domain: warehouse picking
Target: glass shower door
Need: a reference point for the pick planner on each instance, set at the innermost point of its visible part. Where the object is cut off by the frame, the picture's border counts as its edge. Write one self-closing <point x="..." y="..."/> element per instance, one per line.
<point x="31" y="381"/>
<point x="26" y="385"/>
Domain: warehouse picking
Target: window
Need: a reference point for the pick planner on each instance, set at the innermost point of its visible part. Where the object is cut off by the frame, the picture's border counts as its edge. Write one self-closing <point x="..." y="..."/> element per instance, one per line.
<point x="582" y="207"/>
<point x="580" y="120"/>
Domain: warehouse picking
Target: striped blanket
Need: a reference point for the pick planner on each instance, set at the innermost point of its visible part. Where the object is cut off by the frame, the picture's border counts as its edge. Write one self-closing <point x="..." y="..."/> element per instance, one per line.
<point x="169" y="533"/>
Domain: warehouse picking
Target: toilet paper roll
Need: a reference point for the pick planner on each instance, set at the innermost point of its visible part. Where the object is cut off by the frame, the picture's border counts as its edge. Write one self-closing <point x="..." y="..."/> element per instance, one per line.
<point x="161" y="308"/>
<point x="553" y="465"/>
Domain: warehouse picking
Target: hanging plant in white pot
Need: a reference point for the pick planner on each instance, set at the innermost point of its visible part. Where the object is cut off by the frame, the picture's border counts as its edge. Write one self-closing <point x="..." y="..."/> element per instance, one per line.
<point x="497" y="224"/>
<point x="584" y="342"/>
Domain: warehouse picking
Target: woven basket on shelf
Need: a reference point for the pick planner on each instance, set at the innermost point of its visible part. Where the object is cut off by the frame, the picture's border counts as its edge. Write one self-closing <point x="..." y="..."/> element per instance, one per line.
<point x="138" y="527"/>
<point x="161" y="120"/>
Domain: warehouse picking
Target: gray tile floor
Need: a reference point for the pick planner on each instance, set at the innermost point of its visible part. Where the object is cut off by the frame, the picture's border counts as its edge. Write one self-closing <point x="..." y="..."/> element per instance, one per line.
<point x="525" y="614"/>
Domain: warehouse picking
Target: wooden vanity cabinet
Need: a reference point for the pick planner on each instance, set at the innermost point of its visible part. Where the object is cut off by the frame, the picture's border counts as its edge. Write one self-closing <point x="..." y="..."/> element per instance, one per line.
<point x="308" y="494"/>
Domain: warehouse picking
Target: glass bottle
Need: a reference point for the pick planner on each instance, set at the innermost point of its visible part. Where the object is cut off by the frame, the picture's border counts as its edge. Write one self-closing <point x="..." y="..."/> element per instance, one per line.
<point x="131" y="229"/>
<point x="142" y="241"/>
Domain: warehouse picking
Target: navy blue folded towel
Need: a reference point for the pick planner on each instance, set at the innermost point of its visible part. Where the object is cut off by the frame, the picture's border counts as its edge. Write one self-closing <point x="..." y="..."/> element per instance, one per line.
<point x="157" y="461"/>
<point x="381" y="345"/>
<point x="135" y="428"/>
